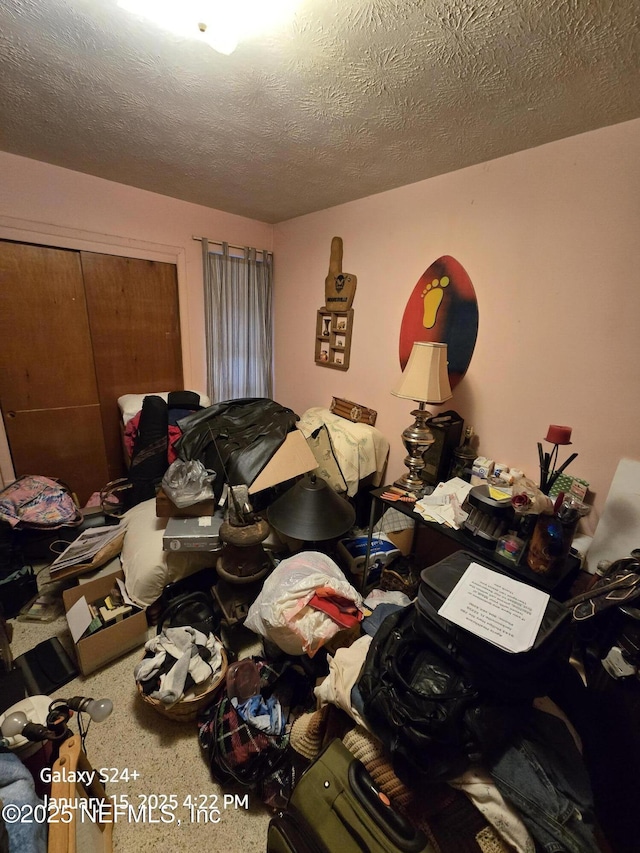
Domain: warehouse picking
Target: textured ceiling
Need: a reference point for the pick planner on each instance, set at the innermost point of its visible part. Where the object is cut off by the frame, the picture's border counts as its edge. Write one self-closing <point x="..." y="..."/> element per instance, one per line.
<point x="351" y="98"/>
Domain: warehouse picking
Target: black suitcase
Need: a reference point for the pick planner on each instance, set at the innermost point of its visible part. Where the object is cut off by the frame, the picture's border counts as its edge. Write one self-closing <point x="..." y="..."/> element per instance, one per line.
<point x="336" y="808"/>
<point x="510" y="676"/>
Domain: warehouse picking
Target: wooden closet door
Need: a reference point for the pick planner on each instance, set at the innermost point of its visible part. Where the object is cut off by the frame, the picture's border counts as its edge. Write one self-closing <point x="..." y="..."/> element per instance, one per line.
<point x="48" y="390"/>
<point x="135" y="329"/>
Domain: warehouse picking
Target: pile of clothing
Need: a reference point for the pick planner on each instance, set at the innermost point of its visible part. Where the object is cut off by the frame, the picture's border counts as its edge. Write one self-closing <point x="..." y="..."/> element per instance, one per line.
<point x="437" y="722"/>
<point x="303" y="603"/>
<point x="176" y="660"/>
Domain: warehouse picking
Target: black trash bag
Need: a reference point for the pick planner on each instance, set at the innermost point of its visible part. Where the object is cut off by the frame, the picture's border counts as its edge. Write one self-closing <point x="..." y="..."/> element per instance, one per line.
<point x="235" y="438"/>
<point x="425" y="708"/>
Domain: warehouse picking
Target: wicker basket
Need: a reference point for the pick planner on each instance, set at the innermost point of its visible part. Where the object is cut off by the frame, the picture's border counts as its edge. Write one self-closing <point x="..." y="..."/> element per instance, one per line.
<point x="401" y="576"/>
<point x="195" y="699"/>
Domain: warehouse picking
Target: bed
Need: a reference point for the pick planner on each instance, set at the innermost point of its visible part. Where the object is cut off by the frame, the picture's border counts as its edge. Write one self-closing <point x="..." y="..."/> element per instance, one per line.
<point x="347" y="455"/>
<point x="266" y="429"/>
<point x="130" y="406"/>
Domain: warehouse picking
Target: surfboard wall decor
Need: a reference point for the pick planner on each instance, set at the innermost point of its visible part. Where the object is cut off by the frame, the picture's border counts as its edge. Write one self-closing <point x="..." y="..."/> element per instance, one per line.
<point x="442" y="308"/>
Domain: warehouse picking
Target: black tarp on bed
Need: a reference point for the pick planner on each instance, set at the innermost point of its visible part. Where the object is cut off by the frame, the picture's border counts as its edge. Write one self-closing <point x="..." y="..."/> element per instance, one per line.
<point x="235" y="438"/>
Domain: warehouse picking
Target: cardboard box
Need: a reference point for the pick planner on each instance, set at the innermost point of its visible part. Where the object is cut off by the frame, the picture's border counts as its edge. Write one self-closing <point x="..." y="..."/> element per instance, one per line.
<point x="111" y="642"/>
<point x="402" y="539"/>
<point x="193" y="534"/>
<point x="165" y="507"/>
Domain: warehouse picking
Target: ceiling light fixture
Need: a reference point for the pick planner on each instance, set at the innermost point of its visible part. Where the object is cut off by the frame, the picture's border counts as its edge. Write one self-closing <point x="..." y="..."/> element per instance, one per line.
<point x="219" y="23"/>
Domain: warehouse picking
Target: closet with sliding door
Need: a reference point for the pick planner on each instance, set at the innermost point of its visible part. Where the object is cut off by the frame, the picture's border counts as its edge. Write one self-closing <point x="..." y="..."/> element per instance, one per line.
<point x="78" y="330"/>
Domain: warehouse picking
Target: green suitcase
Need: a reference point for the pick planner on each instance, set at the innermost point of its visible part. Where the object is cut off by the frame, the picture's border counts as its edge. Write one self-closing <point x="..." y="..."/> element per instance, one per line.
<point x="336" y="807"/>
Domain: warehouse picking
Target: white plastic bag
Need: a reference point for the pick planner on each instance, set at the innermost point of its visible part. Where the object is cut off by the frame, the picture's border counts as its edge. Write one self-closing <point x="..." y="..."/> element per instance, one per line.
<point x="187" y="483"/>
<point x="280" y="611"/>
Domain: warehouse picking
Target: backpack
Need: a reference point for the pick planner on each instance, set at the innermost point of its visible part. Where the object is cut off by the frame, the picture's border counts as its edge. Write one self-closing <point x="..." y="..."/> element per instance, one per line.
<point x="424" y="707"/>
<point x="38" y="503"/>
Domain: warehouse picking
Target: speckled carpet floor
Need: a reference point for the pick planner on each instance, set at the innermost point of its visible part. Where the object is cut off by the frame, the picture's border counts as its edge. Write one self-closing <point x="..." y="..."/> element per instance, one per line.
<point x="152" y="755"/>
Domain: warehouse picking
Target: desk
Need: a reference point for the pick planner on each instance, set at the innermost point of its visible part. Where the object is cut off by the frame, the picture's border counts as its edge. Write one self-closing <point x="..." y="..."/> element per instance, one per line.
<point x="447" y="540"/>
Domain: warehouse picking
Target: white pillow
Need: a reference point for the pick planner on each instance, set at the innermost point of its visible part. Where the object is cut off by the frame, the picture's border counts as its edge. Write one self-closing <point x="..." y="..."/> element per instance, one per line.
<point x="147" y="567"/>
<point x="130" y="404"/>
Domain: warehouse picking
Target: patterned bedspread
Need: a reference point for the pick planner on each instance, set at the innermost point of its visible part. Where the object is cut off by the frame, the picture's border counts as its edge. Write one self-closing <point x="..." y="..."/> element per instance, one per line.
<point x="360" y="449"/>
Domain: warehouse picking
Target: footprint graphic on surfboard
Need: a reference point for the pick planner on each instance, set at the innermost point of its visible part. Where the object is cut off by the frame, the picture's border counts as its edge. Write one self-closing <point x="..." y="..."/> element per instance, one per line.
<point x="432" y="297"/>
<point x="442" y="308"/>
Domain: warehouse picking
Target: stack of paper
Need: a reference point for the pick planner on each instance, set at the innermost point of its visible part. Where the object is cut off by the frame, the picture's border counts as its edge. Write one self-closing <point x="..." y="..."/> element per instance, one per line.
<point x="444" y="504"/>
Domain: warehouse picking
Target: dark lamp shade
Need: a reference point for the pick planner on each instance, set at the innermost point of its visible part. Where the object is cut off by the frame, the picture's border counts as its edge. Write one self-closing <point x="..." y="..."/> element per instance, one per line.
<point x="311" y="511"/>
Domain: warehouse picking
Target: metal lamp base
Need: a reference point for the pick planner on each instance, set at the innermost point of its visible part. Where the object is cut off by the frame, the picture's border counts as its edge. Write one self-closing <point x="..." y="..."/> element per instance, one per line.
<point x="417" y="439"/>
<point x="410" y="483"/>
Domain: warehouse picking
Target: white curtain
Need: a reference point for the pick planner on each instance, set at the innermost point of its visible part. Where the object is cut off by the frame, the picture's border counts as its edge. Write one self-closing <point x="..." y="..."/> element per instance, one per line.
<point x="238" y="321"/>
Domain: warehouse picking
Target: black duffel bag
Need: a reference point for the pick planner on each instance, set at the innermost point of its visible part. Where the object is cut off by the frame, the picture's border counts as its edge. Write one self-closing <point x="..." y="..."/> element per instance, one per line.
<point x="194" y="609"/>
<point x="426" y="710"/>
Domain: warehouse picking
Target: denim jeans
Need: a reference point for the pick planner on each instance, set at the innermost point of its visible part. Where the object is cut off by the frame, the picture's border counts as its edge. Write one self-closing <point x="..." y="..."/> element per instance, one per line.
<point x="544" y="777"/>
<point x="370" y="624"/>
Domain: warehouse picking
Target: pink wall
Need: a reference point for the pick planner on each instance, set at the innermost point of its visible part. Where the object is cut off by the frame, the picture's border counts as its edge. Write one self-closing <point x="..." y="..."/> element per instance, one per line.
<point x="549" y="238"/>
<point x="44" y="203"/>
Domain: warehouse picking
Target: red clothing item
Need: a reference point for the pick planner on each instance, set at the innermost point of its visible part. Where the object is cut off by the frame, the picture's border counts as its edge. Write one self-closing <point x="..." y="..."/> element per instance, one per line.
<point x="342" y="610"/>
<point x="131" y="431"/>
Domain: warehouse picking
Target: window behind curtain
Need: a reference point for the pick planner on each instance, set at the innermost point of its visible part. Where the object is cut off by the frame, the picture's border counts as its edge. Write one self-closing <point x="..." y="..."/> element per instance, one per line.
<point x="238" y="323"/>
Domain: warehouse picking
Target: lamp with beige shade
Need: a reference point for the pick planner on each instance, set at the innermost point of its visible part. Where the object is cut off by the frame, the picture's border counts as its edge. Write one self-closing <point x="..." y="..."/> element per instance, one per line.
<point x="426" y="380"/>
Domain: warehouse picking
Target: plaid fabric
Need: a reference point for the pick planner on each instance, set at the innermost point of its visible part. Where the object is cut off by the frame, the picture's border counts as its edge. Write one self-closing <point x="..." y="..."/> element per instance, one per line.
<point x="392" y="521"/>
<point x="236" y="749"/>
